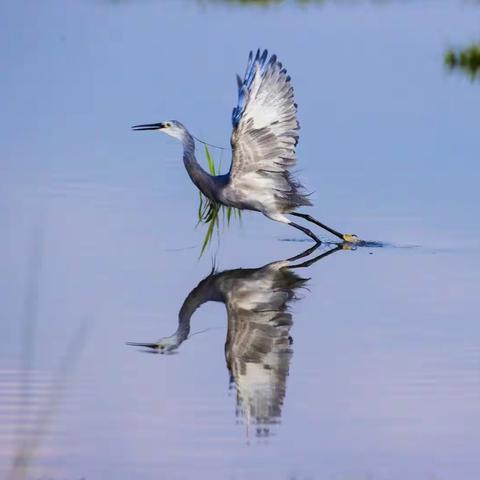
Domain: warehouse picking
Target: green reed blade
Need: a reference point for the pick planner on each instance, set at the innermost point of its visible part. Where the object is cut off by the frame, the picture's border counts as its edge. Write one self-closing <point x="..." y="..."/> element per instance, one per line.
<point x="211" y="163"/>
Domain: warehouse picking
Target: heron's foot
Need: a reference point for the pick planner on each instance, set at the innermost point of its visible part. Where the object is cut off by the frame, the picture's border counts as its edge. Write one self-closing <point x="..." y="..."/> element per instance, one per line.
<point x="351" y="238"/>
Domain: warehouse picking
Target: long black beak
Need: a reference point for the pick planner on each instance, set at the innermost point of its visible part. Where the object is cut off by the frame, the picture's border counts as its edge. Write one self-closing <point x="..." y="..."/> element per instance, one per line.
<point x="148" y="126"/>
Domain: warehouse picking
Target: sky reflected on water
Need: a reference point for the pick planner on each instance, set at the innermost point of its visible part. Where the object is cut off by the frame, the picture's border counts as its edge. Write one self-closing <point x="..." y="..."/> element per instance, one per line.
<point x="98" y="245"/>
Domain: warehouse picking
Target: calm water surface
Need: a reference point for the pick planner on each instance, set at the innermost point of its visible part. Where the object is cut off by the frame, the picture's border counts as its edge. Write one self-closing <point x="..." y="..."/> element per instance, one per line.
<point x="363" y="365"/>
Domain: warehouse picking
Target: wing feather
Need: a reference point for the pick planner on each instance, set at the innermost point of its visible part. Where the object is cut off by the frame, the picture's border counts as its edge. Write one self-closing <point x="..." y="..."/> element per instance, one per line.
<point x="265" y="132"/>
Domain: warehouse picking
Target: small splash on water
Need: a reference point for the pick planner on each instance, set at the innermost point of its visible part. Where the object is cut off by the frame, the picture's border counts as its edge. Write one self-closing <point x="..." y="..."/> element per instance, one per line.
<point x="360" y="243"/>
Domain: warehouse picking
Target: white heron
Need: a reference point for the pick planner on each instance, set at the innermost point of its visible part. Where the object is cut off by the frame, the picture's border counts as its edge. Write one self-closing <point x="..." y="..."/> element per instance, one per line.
<point x="264" y="137"/>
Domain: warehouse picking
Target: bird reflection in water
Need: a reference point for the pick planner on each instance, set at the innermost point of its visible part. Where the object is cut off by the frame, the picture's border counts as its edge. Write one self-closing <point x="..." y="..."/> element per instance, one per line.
<point x="258" y="348"/>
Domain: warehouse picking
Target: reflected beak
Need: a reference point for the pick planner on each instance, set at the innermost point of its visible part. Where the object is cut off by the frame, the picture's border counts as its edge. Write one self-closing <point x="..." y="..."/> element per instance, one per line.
<point x="148" y="126"/>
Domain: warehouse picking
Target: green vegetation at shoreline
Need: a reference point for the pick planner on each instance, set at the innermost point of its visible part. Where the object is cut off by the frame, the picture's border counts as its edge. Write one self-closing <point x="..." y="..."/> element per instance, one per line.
<point x="466" y="60"/>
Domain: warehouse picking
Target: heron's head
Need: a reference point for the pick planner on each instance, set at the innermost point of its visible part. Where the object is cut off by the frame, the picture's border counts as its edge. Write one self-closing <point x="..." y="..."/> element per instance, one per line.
<point x="170" y="127"/>
<point x="168" y="345"/>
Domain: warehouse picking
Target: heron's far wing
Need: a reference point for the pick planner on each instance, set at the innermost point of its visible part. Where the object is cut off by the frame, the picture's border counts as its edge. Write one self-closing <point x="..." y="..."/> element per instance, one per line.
<point x="265" y="126"/>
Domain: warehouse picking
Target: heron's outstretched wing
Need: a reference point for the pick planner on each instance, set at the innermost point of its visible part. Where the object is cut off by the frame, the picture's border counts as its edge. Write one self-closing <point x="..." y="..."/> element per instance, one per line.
<point x="265" y="127"/>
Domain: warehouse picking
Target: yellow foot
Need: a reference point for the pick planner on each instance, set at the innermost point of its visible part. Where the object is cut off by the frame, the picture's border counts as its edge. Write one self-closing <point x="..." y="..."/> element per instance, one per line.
<point x="350" y="238"/>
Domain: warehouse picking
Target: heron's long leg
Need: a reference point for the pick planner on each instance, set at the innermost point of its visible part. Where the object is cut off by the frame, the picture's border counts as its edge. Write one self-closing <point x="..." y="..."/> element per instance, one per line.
<point x="305" y="230"/>
<point x="317" y="258"/>
<point x="320" y="224"/>
<point x="304" y="254"/>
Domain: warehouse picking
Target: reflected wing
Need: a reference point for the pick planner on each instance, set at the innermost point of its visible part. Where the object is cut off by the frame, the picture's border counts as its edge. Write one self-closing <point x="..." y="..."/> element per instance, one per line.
<point x="259" y="362"/>
<point x="265" y="129"/>
<point x="258" y="344"/>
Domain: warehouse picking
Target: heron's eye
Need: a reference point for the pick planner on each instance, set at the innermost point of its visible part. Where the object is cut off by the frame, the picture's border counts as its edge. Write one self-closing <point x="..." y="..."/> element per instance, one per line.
<point x="168" y="124"/>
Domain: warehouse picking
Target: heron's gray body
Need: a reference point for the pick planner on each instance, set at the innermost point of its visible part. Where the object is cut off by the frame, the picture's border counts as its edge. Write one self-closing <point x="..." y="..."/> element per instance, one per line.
<point x="268" y="192"/>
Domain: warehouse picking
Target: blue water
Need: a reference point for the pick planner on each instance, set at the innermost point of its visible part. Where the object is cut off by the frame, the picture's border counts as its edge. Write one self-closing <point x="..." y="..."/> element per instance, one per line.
<point x="379" y="355"/>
